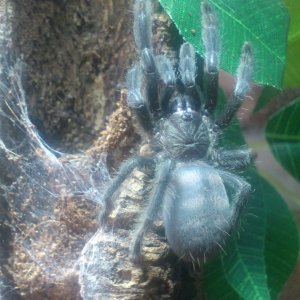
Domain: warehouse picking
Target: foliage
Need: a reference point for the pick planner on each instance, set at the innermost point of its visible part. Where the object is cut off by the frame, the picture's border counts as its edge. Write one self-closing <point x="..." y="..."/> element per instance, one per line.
<point x="240" y="21"/>
<point x="283" y="135"/>
<point x="292" y="74"/>
<point x="257" y="264"/>
<point x="268" y="94"/>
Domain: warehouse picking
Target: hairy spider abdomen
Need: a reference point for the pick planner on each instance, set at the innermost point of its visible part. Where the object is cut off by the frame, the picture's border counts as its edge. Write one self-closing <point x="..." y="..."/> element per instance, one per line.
<point x="196" y="211"/>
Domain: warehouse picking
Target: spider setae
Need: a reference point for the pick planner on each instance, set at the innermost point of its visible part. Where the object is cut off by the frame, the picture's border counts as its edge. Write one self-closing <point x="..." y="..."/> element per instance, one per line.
<point x="193" y="181"/>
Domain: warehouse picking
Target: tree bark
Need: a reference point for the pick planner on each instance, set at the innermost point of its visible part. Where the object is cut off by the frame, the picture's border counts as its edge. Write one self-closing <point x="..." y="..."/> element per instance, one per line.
<point x="76" y="53"/>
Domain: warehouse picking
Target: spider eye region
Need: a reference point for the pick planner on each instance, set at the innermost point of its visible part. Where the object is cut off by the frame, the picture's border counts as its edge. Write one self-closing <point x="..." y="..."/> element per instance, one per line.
<point x="184" y="103"/>
<point x="187" y="116"/>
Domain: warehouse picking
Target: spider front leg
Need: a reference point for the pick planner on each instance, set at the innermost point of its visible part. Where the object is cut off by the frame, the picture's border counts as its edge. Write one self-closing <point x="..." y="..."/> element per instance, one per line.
<point x="187" y="68"/>
<point x="244" y="74"/>
<point x="210" y="37"/>
<point x="142" y="29"/>
<point x="135" y="99"/>
<point x="240" y="196"/>
<point x="167" y="74"/>
<point x="126" y="168"/>
<point x="160" y="182"/>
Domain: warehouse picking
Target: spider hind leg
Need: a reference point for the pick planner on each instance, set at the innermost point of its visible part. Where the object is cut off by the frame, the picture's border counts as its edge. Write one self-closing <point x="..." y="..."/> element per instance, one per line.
<point x="161" y="180"/>
<point x="126" y="168"/>
<point x="239" y="198"/>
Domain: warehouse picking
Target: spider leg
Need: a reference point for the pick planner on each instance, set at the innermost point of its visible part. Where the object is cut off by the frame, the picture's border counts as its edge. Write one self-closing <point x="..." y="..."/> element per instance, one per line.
<point x="142" y="29"/>
<point x="161" y="180"/>
<point x="238" y="159"/>
<point x="240" y="196"/>
<point x="187" y="68"/>
<point x="210" y="37"/>
<point x="126" y="168"/>
<point x="244" y="74"/>
<point x="167" y="74"/>
<point x="135" y="99"/>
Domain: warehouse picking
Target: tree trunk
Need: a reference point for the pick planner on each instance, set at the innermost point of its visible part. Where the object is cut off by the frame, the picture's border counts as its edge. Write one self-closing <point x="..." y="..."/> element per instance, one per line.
<point x="74" y="54"/>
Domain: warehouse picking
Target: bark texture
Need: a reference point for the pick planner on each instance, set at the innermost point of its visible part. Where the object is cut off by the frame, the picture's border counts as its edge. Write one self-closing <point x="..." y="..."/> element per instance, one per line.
<point x="76" y="53"/>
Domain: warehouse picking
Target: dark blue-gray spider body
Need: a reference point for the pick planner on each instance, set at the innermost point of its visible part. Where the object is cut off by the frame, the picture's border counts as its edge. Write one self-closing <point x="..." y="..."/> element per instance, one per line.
<point x="194" y="182"/>
<point x="197" y="211"/>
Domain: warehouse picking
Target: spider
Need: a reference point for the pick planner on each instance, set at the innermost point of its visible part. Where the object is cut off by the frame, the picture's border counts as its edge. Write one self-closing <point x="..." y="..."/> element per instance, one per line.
<point x="193" y="181"/>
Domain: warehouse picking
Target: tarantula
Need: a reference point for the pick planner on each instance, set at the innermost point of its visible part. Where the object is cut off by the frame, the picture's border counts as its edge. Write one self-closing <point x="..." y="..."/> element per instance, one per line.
<point x="193" y="180"/>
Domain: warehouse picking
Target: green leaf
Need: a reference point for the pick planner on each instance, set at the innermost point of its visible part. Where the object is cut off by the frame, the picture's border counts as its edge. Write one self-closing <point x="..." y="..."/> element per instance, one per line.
<point x="244" y="265"/>
<point x="243" y="269"/>
<point x="268" y="94"/>
<point x="292" y="70"/>
<point x="215" y="283"/>
<point x="283" y="135"/>
<point x="263" y="23"/>
<point x="260" y="260"/>
<point x="281" y="240"/>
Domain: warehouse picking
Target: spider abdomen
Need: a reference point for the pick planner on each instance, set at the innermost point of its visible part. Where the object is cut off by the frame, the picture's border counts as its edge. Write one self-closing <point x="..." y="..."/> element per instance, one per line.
<point x="196" y="211"/>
